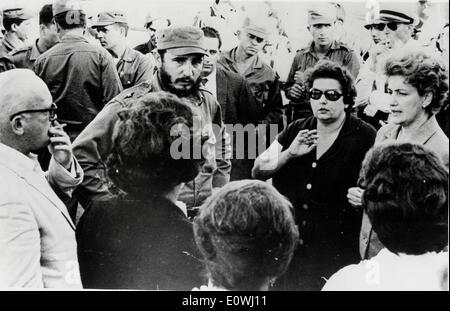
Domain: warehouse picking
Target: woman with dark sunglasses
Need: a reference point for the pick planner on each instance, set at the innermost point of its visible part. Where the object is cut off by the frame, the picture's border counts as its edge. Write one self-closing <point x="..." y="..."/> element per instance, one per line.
<point x="311" y="163"/>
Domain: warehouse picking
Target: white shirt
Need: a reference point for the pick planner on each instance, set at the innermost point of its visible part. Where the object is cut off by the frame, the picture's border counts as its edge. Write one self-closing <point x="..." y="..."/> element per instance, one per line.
<point x="211" y="84"/>
<point x="390" y="272"/>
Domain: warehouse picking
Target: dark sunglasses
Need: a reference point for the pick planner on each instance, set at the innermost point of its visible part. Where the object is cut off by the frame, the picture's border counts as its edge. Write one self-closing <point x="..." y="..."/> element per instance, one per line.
<point x="379" y="27"/>
<point x="258" y="39"/>
<point x="332" y="95"/>
<point x="51" y="112"/>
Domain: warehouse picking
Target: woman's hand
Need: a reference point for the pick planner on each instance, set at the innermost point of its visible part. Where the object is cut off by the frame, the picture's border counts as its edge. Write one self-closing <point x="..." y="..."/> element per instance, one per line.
<point x="304" y="143"/>
<point x="354" y="196"/>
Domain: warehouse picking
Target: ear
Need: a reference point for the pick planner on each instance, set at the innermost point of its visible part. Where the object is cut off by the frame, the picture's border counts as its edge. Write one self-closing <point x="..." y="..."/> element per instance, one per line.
<point x="17" y="125"/>
<point x="42" y="29"/>
<point x="14" y="27"/>
<point x="427" y="98"/>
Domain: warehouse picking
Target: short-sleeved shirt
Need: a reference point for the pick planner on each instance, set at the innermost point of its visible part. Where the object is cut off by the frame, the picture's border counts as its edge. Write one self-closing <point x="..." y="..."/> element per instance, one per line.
<point x="318" y="188"/>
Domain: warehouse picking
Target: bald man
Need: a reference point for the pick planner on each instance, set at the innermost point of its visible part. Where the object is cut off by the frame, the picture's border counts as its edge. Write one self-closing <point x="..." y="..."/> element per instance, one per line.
<point x="37" y="236"/>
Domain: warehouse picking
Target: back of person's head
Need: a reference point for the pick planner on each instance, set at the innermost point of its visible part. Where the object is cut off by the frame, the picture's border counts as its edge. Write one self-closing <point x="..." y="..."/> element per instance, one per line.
<point x="406" y="197"/>
<point x="247" y="235"/>
<point x="46" y="15"/>
<point x="141" y="162"/>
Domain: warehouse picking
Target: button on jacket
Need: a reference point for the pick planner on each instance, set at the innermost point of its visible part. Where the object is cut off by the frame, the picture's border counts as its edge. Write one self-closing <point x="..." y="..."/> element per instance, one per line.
<point x="81" y="77"/>
<point x="37" y="236"/>
<point x="94" y="144"/>
<point x="133" y="68"/>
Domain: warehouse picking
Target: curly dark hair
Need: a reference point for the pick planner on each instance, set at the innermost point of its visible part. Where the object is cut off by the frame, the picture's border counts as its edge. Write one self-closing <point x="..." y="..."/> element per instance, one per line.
<point x="406" y="197"/>
<point x="142" y="162"/>
<point x="424" y="72"/>
<point x="327" y="69"/>
<point x="247" y="235"/>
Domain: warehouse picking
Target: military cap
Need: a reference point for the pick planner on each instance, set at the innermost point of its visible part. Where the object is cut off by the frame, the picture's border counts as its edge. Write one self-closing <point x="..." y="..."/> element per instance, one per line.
<point x="398" y="13"/>
<point x="62" y="6"/>
<point x="181" y="40"/>
<point x="322" y="13"/>
<point x="16" y="13"/>
<point x="107" y="18"/>
<point x="255" y="27"/>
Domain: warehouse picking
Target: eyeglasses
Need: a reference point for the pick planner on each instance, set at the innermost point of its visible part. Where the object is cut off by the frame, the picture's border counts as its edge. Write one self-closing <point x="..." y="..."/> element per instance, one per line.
<point x="258" y="39"/>
<point x="332" y="95"/>
<point x="51" y="112"/>
<point x="379" y="27"/>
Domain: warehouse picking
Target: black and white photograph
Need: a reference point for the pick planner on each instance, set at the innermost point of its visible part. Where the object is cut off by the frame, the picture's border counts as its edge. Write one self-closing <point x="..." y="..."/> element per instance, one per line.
<point x="201" y="146"/>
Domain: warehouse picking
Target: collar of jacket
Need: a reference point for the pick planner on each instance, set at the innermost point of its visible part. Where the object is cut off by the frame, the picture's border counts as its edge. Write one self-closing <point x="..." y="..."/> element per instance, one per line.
<point x="72" y="37"/>
<point x="421" y="135"/>
<point x="334" y="46"/>
<point x="17" y="161"/>
<point x="230" y="58"/>
<point x="129" y="55"/>
<point x="35" y="53"/>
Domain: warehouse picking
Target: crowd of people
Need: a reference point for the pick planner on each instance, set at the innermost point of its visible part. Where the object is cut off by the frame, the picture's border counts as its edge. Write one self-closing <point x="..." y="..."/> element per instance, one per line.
<point x="176" y="165"/>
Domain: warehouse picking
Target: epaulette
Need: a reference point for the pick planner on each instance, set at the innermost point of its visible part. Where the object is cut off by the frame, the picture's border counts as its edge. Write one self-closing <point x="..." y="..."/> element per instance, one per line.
<point x="134" y="93"/>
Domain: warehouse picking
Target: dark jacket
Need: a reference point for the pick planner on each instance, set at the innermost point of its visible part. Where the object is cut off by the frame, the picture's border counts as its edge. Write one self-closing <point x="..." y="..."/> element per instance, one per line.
<point x="81" y="77"/>
<point x="238" y="106"/>
<point x="94" y="144"/>
<point x="145" y="48"/>
<point x="5" y="62"/>
<point x="137" y="244"/>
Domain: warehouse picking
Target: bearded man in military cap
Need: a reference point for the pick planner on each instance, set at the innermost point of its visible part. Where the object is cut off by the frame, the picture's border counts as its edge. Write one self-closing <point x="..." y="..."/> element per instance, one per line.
<point x="180" y="54"/>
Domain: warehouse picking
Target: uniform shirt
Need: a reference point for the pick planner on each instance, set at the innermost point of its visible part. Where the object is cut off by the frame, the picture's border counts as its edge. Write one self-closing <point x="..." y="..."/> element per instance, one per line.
<point x="307" y="58"/>
<point x="81" y="77"/>
<point x="7" y="46"/>
<point x="5" y="62"/>
<point x="264" y="83"/>
<point x="133" y="68"/>
<point x="37" y="236"/>
<point x="26" y="57"/>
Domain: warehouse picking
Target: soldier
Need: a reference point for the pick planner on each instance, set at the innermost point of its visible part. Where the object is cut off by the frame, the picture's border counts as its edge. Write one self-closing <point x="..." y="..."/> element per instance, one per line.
<point x="48" y="37"/>
<point x="263" y="80"/>
<point x="16" y="21"/>
<point x="321" y="24"/>
<point x="180" y="63"/>
<point x="152" y="25"/>
<point x="133" y="67"/>
<point x="81" y="77"/>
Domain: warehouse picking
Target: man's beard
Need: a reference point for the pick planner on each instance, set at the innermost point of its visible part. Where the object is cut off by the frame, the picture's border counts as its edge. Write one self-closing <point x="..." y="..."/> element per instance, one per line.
<point x="168" y="86"/>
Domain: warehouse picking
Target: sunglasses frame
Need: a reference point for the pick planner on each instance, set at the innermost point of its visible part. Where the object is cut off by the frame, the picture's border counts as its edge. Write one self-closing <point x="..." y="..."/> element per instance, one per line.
<point x="327" y="94"/>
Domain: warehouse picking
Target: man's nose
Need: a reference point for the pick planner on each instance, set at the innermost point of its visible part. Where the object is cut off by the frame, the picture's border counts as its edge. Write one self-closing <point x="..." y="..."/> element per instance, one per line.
<point x="188" y="69"/>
